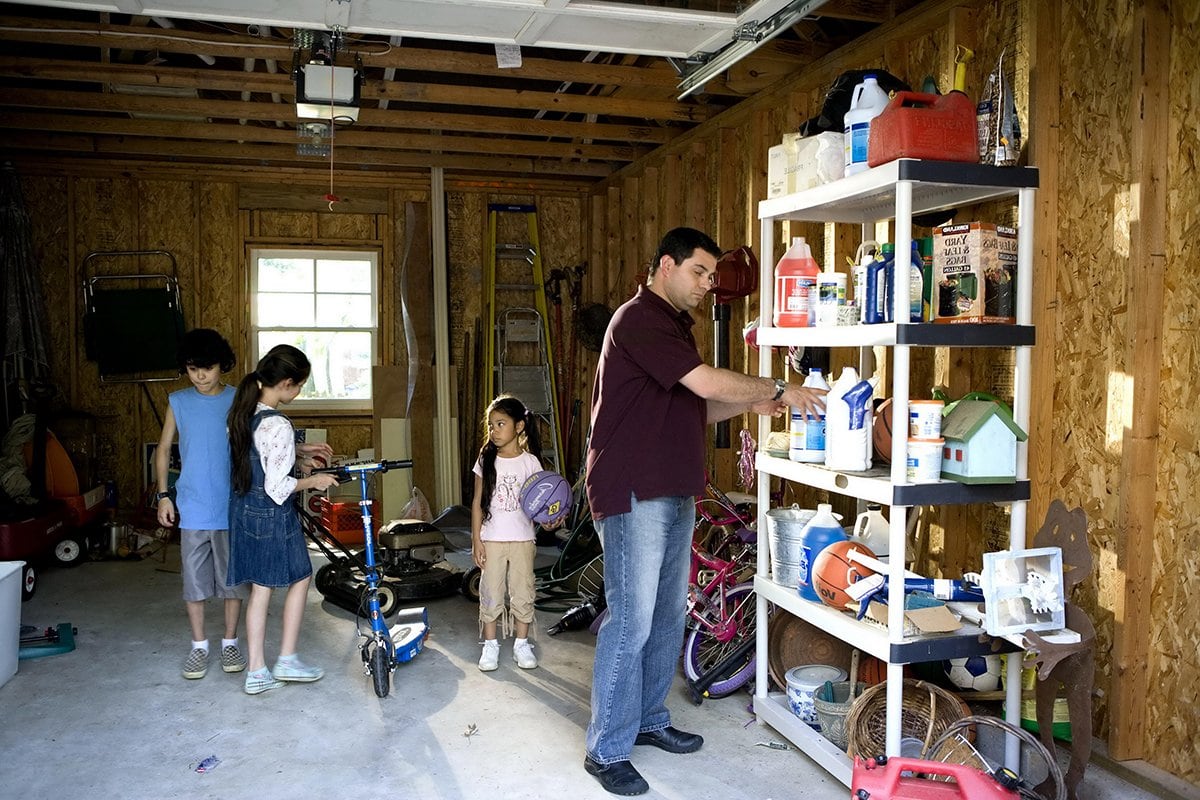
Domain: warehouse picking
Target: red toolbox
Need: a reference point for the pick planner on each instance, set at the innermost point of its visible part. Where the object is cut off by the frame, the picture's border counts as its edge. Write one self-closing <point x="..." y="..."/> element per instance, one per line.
<point x="915" y="125"/>
<point x="915" y="779"/>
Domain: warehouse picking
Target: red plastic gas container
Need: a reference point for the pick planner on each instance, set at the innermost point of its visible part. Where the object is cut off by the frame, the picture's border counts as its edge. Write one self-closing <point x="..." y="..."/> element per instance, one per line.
<point x="916" y="125"/>
<point x="873" y="781"/>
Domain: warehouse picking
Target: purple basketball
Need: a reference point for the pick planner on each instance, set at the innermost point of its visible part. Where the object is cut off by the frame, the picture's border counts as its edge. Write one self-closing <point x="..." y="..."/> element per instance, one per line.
<point x="545" y="497"/>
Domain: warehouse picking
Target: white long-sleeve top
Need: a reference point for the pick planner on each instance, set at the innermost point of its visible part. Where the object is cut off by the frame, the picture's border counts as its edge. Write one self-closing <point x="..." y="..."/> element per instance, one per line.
<point x="275" y="441"/>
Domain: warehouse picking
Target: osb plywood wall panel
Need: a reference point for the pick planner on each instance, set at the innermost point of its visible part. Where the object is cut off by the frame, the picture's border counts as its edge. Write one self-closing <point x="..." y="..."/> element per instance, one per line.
<point x="46" y="204"/>
<point x="1173" y="722"/>
<point x="1092" y="294"/>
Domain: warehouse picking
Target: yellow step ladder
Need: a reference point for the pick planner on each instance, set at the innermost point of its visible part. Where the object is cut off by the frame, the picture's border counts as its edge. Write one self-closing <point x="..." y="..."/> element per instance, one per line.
<point x="519" y="355"/>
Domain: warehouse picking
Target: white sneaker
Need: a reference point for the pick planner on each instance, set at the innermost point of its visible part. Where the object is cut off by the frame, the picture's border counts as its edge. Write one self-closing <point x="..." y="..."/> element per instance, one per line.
<point x="491" y="656"/>
<point x="523" y="655"/>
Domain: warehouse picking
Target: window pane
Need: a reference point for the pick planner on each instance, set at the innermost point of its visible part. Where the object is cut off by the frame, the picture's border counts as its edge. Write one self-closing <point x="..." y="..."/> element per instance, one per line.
<point x="281" y="309"/>
<point x="285" y="274"/>
<point x="345" y="311"/>
<point x="341" y="362"/>
<point x="344" y="276"/>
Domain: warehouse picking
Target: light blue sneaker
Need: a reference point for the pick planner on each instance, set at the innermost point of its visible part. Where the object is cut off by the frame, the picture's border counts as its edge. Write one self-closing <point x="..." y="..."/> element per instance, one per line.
<point x="294" y="670"/>
<point x="261" y="681"/>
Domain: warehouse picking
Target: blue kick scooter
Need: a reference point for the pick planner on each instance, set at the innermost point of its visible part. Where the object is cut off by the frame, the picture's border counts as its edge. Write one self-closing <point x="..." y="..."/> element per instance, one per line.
<point x="382" y="648"/>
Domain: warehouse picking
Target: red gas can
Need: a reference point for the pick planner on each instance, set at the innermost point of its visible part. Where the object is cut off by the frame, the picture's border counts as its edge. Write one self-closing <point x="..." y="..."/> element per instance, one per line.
<point x="915" y="125"/>
<point x="874" y="781"/>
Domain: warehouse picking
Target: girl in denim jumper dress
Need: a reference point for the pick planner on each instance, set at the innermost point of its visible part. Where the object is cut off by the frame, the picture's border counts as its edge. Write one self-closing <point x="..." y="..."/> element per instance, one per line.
<point x="266" y="546"/>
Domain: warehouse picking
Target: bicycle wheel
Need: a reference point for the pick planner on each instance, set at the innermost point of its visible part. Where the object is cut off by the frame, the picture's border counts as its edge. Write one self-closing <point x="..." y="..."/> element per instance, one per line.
<point x="703" y="648"/>
<point x="380" y="674"/>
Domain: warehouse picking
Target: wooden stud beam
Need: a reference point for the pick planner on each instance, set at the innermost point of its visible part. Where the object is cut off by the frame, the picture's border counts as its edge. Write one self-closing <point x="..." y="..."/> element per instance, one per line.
<point x="1139" y="452"/>
<point x="442" y="94"/>
<point x="204" y="108"/>
<point x="163" y="129"/>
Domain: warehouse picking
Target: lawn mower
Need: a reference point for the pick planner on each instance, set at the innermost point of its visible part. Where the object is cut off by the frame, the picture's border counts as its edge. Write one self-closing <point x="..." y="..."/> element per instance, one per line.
<point x="409" y="555"/>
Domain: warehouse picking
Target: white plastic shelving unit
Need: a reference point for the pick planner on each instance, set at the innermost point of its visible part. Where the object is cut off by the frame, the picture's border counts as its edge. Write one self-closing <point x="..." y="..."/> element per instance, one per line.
<point x="896" y="190"/>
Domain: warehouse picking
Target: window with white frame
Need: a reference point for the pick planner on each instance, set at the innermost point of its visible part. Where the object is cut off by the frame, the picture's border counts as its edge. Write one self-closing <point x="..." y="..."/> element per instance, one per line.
<point x="325" y="303"/>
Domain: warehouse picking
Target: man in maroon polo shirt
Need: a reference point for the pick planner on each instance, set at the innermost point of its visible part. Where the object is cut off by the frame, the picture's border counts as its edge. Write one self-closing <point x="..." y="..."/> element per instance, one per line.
<point x="652" y="400"/>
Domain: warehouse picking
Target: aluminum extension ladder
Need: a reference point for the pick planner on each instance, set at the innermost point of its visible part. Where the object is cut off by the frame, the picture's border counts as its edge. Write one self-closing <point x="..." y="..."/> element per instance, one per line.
<point x="519" y="355"/>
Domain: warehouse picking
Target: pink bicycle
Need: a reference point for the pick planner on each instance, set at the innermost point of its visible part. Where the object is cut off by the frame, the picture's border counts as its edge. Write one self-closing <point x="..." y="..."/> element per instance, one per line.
<point x="718" y="649"/>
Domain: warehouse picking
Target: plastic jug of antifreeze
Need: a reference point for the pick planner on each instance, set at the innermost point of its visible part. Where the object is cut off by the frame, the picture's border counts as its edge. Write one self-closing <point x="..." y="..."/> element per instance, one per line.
<point x="820" y="532"/>
<point x="796" y="287"/>
<point x="867" y="102"/>
<point x="848" y="423"/>
<point x="806" y="435"/>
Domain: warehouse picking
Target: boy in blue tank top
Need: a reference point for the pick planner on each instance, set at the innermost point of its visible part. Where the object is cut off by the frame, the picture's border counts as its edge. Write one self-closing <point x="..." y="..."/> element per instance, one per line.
<point x="201" y="502"/>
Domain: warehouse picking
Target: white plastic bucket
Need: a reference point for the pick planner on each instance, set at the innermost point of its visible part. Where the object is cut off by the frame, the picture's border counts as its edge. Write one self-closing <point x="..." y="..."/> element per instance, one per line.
<point x="925" y="418"/>
<point x="924" y="461"/>
<point x="802" y="682"/>
<point x="11" y="573"/>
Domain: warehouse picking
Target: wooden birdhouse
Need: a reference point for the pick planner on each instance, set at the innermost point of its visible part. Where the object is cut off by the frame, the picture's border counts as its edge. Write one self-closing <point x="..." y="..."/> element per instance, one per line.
<point x="981" y="443"/>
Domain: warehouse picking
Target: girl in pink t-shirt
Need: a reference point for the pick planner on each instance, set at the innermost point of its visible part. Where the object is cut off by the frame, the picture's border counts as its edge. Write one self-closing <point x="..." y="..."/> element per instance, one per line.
<point x="502" y="536"/>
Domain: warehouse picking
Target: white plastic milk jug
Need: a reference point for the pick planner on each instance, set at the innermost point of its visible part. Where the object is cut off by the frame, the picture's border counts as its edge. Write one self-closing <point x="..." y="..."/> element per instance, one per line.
<point x="872" y="529"/>
<point x="868" y="100"/>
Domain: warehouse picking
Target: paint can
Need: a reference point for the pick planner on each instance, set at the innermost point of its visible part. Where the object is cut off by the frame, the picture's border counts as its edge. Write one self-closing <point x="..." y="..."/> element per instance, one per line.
<point x="925" y="418"/>
<point x="924" y="460"/>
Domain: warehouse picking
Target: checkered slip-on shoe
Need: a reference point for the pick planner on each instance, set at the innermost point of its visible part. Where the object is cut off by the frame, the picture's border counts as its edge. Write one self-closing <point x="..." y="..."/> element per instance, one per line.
<point x="232" y="659"/>
<point x="196" y="664"/>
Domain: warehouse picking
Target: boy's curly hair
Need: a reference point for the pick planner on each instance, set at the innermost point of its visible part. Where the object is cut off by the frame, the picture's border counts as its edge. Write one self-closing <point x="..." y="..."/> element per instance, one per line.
<point x="204" y="347"/>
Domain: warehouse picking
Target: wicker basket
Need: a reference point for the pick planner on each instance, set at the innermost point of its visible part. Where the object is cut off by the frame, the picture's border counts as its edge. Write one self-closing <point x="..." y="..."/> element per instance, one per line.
<point x="926" y="710"/>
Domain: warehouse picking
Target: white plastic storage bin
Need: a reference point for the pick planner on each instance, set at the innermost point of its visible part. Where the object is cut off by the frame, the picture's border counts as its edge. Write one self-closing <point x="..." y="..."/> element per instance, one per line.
<point x="10" y="617"/>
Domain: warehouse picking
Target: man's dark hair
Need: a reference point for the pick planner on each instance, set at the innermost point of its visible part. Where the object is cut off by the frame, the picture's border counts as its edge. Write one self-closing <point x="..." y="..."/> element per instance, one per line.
<point x="203" y="347"/>
<point x="681" y="243"/>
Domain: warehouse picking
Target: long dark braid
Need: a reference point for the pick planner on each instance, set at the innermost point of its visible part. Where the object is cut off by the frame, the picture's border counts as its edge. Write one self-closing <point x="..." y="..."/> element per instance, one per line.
<point x="530" y="440"/>
<point x="280" y="363"/>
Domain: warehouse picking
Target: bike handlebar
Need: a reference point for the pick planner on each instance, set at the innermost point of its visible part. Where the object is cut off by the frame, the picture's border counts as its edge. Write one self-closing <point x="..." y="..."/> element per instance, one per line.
<point x="349" y="470"/>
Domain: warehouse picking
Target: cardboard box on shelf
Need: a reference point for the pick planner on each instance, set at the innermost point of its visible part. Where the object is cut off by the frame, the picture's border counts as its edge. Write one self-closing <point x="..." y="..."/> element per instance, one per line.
<point x="974" y="273"/>
<point x="799" y="163"/>
<point x="922" y="616"/>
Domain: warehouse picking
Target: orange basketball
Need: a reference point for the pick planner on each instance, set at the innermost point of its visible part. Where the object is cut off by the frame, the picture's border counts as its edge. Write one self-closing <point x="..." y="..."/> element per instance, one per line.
<point x="834" y="572"/>
<point x="881" y="431"/>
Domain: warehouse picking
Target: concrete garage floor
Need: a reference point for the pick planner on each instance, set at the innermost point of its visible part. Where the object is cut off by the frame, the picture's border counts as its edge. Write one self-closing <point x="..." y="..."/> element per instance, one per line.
<point x="114" y="719"/>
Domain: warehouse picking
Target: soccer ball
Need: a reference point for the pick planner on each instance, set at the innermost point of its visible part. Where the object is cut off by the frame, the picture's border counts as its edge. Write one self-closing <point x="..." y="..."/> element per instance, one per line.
<point x="975" y="673"/>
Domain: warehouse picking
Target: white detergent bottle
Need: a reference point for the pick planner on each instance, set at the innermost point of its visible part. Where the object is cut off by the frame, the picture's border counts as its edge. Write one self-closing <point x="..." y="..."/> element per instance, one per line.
<point x="806" y="435"/>
<point x="872" y="529"/>
<point x="867" y="102"/>
<point x="848" y="423"/>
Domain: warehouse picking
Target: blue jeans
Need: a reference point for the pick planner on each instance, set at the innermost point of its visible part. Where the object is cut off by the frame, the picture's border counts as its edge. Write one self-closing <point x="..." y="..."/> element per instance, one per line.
<point x="646" y="557"/>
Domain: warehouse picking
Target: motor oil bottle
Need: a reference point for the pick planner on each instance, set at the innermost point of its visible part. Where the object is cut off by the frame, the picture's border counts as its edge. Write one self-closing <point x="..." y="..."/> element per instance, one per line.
<point x="872" y="529"/>
<point x="848" y="423"/>
<point x="796" y="287"/>
<point x="806" y="434"/>
<point x="820" y="532"/>
<point x="867" y="102"/>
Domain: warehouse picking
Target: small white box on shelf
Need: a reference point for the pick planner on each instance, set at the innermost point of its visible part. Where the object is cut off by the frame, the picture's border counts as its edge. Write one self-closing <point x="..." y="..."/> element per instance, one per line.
<point x="1023" y="591"/>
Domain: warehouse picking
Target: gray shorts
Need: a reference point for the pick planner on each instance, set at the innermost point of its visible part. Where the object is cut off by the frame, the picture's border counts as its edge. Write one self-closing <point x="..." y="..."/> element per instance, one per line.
<point x="205" y="561"/>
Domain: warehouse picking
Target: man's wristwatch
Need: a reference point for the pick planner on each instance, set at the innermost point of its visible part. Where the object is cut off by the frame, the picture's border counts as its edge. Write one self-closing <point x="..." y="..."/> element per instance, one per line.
<point x="780" y="387"/>
<point x="159" y="496"/>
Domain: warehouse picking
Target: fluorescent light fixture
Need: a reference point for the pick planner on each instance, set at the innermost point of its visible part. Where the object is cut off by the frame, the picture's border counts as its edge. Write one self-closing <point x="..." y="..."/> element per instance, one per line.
<point x="748" y="37"/>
